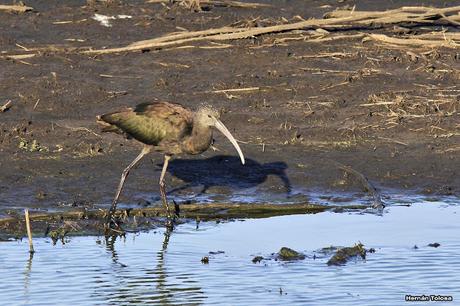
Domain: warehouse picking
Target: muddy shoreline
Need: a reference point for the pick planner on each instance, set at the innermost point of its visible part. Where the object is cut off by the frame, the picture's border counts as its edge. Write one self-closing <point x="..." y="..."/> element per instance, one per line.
<point x="78" y="222"/>
<point x="298" y="107"/>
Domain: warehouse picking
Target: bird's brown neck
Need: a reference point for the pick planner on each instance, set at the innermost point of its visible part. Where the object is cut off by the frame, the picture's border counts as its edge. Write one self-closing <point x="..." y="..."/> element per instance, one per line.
<point x="199" y="140"/>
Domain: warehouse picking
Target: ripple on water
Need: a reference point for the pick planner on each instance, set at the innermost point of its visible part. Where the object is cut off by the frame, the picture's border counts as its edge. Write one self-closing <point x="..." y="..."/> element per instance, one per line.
<point x="141" y="270"/>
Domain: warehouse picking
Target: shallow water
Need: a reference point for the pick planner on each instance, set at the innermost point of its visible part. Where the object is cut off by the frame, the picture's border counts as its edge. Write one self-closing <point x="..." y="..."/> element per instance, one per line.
<point x="146" y="268"/>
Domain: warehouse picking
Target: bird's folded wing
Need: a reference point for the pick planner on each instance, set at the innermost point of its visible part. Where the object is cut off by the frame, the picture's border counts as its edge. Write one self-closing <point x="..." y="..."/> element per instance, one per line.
<point x="151" y="123"/>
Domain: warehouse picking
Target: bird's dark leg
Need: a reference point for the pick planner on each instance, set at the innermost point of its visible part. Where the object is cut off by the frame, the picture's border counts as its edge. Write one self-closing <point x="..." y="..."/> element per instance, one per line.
<point x="113" y="208"/>
<point x="163" y="189"/>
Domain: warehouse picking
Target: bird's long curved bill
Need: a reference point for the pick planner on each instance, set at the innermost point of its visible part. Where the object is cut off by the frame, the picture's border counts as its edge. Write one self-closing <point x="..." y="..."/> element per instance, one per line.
<point x="221" y="127"/>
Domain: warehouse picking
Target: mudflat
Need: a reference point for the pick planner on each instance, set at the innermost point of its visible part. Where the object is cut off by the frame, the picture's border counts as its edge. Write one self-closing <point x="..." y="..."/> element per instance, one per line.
<point x="300" y="101"/>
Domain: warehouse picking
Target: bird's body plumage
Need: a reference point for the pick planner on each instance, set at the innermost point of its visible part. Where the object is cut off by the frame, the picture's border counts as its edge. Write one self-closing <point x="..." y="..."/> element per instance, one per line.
<point x="168" y="127"/>
<point x="165" y="127"/>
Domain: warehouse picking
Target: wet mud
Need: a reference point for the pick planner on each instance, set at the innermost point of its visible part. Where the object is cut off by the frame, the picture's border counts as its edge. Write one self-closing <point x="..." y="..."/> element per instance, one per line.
<point x="297" y="107"/>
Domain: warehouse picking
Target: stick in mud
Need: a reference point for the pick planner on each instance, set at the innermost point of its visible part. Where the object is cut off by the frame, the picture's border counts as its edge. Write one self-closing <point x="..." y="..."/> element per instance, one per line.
<point x="16" y="8"/>
<point x="5" y="106"/>
<point x="29" y="232"/>
<point x="336" y="20"/>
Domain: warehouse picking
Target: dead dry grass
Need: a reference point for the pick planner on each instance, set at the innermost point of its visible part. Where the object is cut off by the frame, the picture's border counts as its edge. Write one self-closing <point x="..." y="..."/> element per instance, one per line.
<point x="433" y="108"/>
<point x="337" y="20"/>
<point x="311" y="30"/>
<point x="197" y="5"/>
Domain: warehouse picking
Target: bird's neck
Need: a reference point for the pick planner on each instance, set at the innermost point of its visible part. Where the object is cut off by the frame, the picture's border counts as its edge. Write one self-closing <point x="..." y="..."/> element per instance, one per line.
<point x="199" y="140"/>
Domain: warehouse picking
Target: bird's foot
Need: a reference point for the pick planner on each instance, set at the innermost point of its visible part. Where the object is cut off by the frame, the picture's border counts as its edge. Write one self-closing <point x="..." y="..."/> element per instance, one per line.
<point x="170" y="217"/>
<point x="378" y="208"/>
<point x="170" y="223"/>
<point x="164" y="200"/>
<point x="171" y="220"/>
<point x="112" y="225"/>
<point x="378" y="204"/>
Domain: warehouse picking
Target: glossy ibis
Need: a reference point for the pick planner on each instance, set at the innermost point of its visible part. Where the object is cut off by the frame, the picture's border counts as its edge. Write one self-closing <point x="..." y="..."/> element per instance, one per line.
<point x="168" y="128"/>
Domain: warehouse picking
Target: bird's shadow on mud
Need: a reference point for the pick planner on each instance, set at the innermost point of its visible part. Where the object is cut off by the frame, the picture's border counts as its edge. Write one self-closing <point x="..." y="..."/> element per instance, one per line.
<point x="226" y="171"/>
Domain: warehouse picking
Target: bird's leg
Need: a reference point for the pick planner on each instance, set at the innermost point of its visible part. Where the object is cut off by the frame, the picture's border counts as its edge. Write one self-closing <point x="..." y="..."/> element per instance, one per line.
<point x="163" y="188"/>
<point x="125" y="173"/>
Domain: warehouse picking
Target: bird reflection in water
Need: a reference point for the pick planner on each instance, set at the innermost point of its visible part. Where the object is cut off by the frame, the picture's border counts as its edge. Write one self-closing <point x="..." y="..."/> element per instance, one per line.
<point x="154" y="283"/>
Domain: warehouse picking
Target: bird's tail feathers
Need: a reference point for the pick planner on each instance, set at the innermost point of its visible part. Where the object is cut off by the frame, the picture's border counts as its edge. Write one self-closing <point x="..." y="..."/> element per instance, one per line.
<point x="106" y="126"/>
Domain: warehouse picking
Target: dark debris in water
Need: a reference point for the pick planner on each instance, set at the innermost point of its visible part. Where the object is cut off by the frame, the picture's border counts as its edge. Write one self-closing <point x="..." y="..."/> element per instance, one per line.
<point x="328" y="250"/>
<point x="284" y="254"/>
<point x="205" y="260"/>
<point x="434" y="245"/>
<point x="58" y="234"/>
<point x="216" y="252"/>
<point x="62" y="231"/>
<point x="289" y="254"/>
<point x="343" y="255"/>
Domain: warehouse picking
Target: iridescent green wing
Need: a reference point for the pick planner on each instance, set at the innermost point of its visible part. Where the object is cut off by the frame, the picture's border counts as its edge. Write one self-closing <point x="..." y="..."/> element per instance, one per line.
<point x="150" y="123"/>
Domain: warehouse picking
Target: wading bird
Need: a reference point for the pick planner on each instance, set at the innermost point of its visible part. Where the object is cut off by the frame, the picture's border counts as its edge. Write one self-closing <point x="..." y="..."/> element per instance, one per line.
<point x="168" y="128"/>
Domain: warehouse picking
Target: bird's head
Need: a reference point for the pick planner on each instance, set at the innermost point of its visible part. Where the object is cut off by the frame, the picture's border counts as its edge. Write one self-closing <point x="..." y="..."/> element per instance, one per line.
<point x="208" y="116"/>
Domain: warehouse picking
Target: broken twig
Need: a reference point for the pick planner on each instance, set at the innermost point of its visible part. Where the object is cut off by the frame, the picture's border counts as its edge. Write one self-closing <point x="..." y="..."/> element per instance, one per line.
<point x="29" y="232"/>
<point x="5" y="106"/>
<point x="16" y="8"/>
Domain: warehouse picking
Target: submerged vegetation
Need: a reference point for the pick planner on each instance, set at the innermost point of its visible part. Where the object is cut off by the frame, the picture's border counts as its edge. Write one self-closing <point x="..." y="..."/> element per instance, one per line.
<point x="343" y="255"/>
<point x="289" y="254"/>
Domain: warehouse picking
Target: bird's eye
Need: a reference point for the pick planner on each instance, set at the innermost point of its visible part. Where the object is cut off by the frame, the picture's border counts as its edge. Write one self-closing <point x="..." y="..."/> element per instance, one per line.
<point x="209" y="116"/>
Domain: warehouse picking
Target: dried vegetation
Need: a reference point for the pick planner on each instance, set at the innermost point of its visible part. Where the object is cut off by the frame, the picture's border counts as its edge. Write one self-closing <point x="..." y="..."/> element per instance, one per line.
<point x="333" y="26"/>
